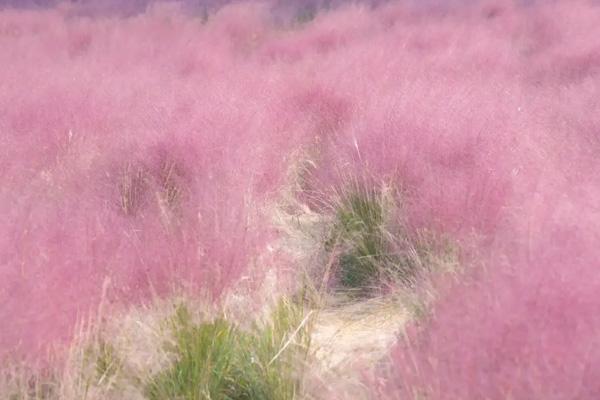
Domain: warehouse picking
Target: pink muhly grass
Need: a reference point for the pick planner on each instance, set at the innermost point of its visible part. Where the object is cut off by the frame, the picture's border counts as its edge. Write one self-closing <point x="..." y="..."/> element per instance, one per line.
<point x="520" y="173"/>
<point x="119" y="165"/>
<point x="145" y="149"/>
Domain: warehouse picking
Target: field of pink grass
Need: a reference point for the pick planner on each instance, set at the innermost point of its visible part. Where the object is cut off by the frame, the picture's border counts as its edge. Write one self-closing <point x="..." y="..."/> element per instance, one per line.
<point x="139" y="155"/>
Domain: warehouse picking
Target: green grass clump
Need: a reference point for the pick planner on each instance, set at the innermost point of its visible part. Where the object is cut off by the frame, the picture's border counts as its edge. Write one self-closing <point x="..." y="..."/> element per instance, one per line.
<point x="107" y="362"/>
<point x="204" y="361"/>
<point x="360" y="223"/>
<point x="101" y="366"/>
<point x="372" y="248"/>
<point x="358" y="235"/>
<point x="219" y="361"/>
